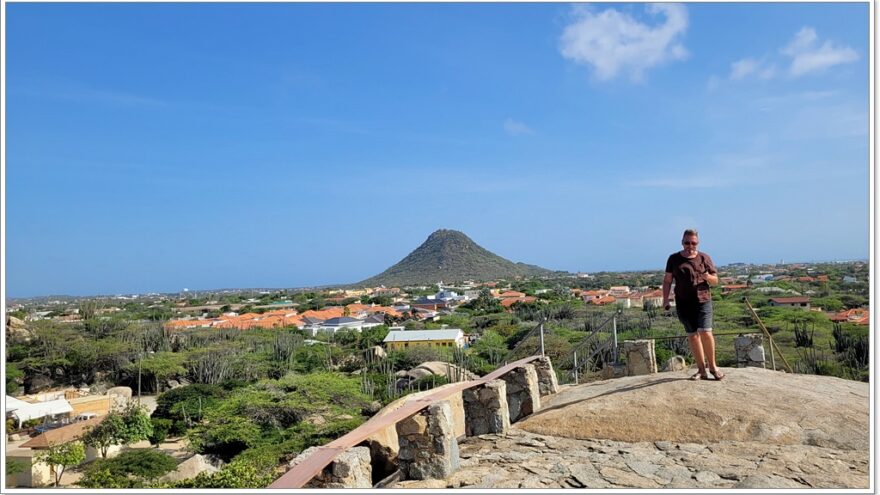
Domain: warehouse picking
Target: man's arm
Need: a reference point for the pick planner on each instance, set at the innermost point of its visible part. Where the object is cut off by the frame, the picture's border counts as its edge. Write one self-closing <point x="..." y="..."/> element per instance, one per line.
<point x="667" y="285"/>
<point x="711" y="275"/>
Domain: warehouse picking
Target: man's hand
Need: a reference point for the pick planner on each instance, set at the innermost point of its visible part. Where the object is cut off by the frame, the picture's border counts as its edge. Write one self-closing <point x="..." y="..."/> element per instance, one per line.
<point x="667" y="306"/>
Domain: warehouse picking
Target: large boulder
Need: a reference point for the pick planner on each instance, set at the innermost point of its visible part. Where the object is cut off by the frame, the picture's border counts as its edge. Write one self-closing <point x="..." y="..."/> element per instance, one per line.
<point x="189" y="468"/>
<point x="450" y="371"/>
<point x="675" y="363"/>
<point x="17" y="329"/>
<point x="812" y="410"/>
<point x="38" y="382"/>
<point x="12" y="321"/>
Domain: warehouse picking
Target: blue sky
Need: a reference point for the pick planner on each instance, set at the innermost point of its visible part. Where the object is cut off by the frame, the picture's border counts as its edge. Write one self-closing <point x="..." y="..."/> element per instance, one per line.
<point x="152" y="147"/>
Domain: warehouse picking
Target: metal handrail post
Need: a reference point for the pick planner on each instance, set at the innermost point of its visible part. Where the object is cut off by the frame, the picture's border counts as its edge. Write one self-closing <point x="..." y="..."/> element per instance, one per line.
<point x="614" y="329"/>
<point x="542" y="338"/>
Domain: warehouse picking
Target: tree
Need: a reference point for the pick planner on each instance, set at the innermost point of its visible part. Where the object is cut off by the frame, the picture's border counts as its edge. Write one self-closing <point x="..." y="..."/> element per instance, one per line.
<point x="372" y="336"/>
<point x="63" y="456"/>
<point x="14" y="375"/>
<point x="491" y="347"/>
<point x="185" y="405"/>
<point x="161" y="366"/>
<point x="132" y="424"/>
<point x="485" y="303"/>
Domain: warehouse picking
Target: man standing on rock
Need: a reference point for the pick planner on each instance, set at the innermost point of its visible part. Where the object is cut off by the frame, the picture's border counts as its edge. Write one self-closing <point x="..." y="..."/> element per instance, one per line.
<point x="693" y="273"/>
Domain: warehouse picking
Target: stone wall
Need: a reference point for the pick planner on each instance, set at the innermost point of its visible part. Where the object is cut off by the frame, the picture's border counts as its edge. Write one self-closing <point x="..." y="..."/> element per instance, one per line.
<point x="485" y="409"/>
<point x="640" y="358"/>
<point x="523" y="397"/>
<point x="350" y="469"/>
<point x="428" y="447"/>
<point x="547" y="381"/>
<point x="749" y="350"/>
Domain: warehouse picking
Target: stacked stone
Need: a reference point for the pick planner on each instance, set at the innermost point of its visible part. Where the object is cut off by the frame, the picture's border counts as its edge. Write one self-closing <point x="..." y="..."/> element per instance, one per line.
<point x="350" y="469"/>
<point x="640" y="358"/>
<point x="547" y="381"/>
<point x="749" y="350"/>
<point x="428" y="448"/>
<point x="523" y="397"/>
<point x="485" y="409"/>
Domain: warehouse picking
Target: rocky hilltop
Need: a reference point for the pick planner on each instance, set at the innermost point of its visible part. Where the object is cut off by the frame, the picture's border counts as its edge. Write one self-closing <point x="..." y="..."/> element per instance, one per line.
<point x="450" y="256"/>
<point x="755" y="429"/>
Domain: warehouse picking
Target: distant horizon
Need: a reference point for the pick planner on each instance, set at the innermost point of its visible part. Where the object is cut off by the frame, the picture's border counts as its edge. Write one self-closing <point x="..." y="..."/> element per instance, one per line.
<point x="159" y="145"/>
<point x="325" y="286"/>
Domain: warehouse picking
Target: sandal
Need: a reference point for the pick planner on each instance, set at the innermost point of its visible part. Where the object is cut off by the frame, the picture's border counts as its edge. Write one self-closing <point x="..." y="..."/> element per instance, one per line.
<point x="700" y="376"/>
<point x="717" y="374"/>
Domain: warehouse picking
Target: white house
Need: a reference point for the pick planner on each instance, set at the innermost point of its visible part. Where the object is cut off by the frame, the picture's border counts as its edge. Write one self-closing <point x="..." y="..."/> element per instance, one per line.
<point x="333" y="325"/>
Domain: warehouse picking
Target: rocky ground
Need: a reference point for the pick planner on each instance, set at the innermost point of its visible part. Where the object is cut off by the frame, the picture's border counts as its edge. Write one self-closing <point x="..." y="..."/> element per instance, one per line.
<point x="526" y="460"/>
<point x="754" y="429"/>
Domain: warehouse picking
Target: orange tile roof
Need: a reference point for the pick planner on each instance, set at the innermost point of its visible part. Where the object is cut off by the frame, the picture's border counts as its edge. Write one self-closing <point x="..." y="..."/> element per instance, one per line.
<point x="188" y="323"/>
<point x="509" y="301"/>
<point x="597" y="293"/>
<point x="604" y="300"/>
<point x="324" y="314"/>
<point x="511" y="293"/>
<point x="858" y="316"/>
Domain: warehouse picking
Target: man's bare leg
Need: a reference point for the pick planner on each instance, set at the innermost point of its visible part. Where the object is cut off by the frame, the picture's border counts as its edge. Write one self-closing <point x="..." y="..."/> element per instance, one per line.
<point x="697" y="350"/>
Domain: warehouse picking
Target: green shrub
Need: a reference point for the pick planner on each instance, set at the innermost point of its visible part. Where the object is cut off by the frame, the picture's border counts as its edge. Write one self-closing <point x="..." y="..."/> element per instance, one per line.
<point x="161" y="427"/>
<point x="130" y="469"/>
<point x="186" y="405"/>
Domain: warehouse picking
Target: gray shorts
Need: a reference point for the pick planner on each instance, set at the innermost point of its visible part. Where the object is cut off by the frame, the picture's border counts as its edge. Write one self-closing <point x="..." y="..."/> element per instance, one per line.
<point x="695" y="316"/>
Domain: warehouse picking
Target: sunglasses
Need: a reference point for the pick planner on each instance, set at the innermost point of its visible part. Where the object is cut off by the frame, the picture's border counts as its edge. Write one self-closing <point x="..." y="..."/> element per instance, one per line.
<point x="688" y="243"/>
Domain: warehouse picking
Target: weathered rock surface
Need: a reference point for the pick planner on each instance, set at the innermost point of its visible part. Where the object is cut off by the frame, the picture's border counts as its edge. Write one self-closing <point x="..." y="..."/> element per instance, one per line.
<point x="755" y="429"/>
<point x="521" y="459"/>
<point x="749" y="405"/>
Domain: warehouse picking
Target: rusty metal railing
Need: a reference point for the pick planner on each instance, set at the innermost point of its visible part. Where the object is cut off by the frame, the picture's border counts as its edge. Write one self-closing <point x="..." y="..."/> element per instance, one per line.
<point x="303" y="472"/>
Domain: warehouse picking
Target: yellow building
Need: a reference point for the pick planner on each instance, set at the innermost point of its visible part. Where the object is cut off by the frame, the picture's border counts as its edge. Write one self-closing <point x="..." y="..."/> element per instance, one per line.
<point x="404" y="339"/>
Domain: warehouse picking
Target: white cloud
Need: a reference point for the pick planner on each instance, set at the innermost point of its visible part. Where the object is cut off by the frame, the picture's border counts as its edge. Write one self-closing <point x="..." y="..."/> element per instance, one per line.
<point x="809" y="58"/>
<point x="742" y="68"/>
<point x="612" y="41"/>
<point x="806" y="55"/>
<point x="515" y="128"/>
<point x="801" y="42"/>
<point x="752" y="67"/>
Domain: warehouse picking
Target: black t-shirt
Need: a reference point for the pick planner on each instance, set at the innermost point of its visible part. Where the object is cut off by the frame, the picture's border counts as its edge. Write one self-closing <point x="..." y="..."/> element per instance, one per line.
<point x="690" y="285"/>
